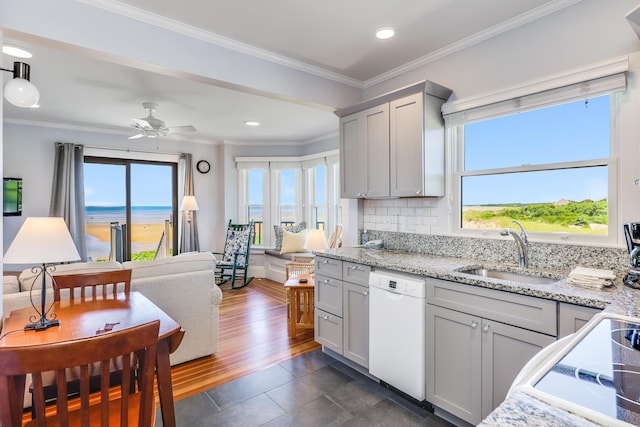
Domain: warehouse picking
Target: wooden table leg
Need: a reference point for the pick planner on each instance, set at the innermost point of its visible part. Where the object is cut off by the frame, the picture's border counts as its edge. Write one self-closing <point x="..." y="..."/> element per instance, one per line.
<point x="165" y="388"/>
<point x="294" y="313"/>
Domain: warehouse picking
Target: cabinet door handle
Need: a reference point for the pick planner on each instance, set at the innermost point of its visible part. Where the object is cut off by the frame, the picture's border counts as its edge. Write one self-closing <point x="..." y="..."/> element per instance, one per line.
<point x="326" y="261"/>
<point x="355" y="267"/>
<point x="365" y="293"/>
<point x="325" y="317"/>
<point x="418" y="192"/>
<point x="474" y="324"/>
<point x="485" y="327"/>
<point x="325" y="281"/>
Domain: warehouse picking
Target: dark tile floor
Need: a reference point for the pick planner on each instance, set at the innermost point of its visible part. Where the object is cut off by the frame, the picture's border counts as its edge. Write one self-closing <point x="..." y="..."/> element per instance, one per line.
<point x="309" y="390"/>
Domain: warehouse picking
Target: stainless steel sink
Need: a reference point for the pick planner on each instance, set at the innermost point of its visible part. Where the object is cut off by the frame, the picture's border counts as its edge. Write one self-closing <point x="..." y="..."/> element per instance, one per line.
<point x="510" y="275"/>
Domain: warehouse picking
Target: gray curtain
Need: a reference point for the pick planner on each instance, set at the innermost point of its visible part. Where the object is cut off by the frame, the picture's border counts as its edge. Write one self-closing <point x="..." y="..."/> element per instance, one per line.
<point x="67" y="192"/>
<point x="189" y="237"/>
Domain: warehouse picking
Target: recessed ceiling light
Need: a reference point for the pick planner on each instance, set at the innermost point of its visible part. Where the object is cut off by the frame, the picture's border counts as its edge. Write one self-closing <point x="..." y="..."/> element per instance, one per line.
<point x="385" y="33"/>
<point x="252" y="123"/>
<point x="16" y="51"/>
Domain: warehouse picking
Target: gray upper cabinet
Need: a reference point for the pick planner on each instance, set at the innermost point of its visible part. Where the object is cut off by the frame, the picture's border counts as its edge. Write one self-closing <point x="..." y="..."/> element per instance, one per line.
<point x="416" y="143"/>
<point x="364" y="142"/>
<point x="393" y="146"/>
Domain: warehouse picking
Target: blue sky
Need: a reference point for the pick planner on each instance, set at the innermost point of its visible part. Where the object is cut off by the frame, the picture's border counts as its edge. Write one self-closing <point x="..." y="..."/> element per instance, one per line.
<point x="104" y="185"/>
<point x="562" y="133"/>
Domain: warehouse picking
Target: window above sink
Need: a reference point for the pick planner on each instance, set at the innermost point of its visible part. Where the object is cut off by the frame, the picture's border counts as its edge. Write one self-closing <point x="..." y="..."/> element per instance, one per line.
<point x="547" y="159"/>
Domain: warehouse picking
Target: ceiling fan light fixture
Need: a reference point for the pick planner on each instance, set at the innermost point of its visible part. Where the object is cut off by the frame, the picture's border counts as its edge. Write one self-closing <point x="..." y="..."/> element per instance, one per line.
<point x="385" y="33"/>
<point x="16" y="51"/>
<point x="252" y="123"/>
<point x="153" y="127"/>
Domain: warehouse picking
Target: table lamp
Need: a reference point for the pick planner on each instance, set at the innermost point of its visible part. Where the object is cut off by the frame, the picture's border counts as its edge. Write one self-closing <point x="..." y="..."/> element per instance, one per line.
<point x="316" y="240"/>
<point x="42" y="240"/>
<point x="189" y="204"/>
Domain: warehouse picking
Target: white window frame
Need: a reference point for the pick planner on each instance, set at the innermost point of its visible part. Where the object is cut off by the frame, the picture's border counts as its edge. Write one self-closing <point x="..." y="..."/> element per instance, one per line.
<point x="243" y="191"/>
<point x="456" y="118"/>
<point x="271" y="189"/>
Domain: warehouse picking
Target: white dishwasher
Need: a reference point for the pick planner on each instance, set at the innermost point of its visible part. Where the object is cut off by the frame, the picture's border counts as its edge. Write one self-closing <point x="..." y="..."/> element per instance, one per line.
<point x="397" y="331"/>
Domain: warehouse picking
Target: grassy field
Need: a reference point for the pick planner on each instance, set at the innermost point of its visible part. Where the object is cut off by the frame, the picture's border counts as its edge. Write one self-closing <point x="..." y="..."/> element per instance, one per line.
<point x="584" y="217"/>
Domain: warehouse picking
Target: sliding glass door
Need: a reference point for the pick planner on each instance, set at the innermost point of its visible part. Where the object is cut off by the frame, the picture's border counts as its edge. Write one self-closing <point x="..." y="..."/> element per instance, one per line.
<point x="131" y="209"/>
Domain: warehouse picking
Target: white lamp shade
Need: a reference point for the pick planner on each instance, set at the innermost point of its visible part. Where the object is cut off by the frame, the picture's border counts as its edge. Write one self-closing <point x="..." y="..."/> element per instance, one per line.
<point x="42" y="240"/>
<point x="189" y="203"/>
<point x="316" y="240"/>
<point x="21" y="93"/>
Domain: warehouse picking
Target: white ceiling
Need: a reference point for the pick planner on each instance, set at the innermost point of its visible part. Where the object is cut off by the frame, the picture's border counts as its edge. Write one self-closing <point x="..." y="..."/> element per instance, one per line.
<point x="332" y="35"/>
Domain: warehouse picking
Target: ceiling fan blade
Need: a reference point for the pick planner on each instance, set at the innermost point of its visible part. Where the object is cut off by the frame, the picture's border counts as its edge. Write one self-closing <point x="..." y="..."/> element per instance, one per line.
<point x="182" y="129"/>
<point x="142" y="124"/>
<point x="139" y="135"/>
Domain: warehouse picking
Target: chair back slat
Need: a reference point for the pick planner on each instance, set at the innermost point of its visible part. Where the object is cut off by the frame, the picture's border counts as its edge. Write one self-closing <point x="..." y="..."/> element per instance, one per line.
<point x="235" y="256"/>
<point x="135" y="346"/>
<point x="295" y="269"/>
<point x="108" y="283"/>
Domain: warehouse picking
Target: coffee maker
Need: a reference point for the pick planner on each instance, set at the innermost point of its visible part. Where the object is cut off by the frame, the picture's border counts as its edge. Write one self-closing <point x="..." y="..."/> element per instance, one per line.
<point x="632" y="234"/>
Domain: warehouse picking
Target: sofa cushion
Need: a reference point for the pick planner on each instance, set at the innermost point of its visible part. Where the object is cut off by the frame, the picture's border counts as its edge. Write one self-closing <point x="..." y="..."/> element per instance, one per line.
<point x="292" y="228"/>
<point x="27" y="277"/>
<point x="173" y="265"/>
<point x="10" y="285"/>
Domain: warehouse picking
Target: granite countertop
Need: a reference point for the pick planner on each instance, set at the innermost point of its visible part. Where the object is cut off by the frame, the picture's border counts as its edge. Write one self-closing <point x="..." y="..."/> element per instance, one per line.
<point x="618" y="299"/>
<point x="518" y="409"/>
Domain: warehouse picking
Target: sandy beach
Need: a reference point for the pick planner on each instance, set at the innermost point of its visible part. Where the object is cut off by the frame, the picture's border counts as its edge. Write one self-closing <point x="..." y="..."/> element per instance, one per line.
<point x="141" y="233"/>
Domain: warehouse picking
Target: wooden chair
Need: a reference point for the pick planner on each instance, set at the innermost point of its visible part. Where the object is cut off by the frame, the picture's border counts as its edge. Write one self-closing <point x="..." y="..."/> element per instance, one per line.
<point x="103" y="283"/>
<point x="295" y="269"/>
<point x="235" y="258"/>
<point x="135" y="346"/>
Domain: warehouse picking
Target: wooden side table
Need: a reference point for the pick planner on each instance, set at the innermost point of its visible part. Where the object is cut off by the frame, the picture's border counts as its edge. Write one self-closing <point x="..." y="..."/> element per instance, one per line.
<point x="300" y="303"/>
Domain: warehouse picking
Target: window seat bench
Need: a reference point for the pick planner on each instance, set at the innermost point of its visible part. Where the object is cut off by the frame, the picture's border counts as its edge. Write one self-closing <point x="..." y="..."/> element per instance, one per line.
<point x="274" y="263"/>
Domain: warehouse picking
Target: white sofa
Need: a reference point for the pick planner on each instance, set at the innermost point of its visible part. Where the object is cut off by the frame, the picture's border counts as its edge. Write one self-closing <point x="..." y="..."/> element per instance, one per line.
<point x="182" y="286"/>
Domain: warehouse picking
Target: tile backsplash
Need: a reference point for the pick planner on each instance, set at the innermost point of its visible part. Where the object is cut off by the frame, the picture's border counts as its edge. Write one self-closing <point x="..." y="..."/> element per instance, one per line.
<point x="413" y="224"/>
<point x="407" y="215"/>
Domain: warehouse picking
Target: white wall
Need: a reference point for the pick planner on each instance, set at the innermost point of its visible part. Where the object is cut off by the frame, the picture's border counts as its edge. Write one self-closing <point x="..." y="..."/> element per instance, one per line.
<point x="28" y="154"/>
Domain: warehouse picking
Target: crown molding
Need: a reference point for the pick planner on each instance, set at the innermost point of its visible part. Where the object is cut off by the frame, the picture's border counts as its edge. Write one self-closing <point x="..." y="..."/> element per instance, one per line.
<point x="120" y="8"/>
<point x="503" y="27"/>
<point x="218" y="40"/>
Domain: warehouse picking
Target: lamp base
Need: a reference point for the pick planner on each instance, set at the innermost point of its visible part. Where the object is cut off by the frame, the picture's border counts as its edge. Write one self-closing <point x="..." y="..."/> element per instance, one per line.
<point x="41" y="324"/>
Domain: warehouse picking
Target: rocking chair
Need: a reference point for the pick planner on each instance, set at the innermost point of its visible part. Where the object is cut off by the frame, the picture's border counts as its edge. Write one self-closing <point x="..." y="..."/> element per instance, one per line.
<point x="235" y="258"/>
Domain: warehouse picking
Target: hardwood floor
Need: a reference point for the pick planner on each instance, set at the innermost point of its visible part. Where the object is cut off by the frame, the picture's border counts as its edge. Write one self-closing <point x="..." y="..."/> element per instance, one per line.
<point x="252" y="336"/>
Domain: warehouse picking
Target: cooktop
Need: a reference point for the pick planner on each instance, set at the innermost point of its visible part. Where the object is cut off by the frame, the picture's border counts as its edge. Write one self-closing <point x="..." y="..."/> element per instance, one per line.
<point x="600" y="372"/>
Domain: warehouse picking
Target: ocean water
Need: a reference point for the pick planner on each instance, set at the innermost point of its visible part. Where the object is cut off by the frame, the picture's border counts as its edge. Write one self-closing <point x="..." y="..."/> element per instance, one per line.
<point x="147" y="214"/>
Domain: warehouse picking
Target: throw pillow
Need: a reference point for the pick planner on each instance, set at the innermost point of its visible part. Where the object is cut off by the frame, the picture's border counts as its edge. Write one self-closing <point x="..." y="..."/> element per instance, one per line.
<point x="293" y="242"/>
<point x="292" y="228"/>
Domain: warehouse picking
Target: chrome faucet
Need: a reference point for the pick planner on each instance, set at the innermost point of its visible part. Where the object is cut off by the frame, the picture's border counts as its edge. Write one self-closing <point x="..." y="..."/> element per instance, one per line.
<point x="522" y="241"/>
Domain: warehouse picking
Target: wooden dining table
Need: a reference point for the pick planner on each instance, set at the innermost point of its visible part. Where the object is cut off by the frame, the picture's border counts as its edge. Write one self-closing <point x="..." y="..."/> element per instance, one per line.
<point x="82" y="319"/>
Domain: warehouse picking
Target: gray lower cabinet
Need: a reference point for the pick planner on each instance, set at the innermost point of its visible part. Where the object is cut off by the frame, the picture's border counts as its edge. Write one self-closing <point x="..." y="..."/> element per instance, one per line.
<point x="572" y="317"/>
<point x="355" y="299"/>
<point x="473" y="356"/>
<point x="505" y="351"/>
<point x="342" y="308"/>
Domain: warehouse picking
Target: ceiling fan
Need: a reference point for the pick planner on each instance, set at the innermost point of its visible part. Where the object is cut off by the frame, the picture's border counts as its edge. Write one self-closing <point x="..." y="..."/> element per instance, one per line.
<point x="152" y="127"/>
